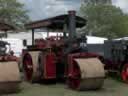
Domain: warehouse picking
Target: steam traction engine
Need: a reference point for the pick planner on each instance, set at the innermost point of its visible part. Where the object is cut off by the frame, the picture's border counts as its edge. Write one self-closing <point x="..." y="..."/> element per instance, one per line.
<point x="115" y="57"/>
<point x="9" y="70"/>
<point x="62" y="57"/>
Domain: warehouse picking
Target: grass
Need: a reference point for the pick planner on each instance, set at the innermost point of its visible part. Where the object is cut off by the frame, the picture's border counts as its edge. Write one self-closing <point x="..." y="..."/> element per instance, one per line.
<point x="111" y="88"/>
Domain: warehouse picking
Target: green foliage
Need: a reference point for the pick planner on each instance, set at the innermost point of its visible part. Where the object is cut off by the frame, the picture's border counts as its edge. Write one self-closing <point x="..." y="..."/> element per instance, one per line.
<point x="13" y="13"/>
<point x="105" y="20"/>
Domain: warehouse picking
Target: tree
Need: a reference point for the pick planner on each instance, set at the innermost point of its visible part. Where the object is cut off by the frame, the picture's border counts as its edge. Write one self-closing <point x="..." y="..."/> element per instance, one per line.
<point x="13" y="13"/>
<point x="105" y="20"/>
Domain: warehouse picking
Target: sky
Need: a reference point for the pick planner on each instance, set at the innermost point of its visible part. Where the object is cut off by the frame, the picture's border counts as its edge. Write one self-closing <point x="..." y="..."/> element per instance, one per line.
<point x="40" y="9"/>
<point x="123" y="4"/>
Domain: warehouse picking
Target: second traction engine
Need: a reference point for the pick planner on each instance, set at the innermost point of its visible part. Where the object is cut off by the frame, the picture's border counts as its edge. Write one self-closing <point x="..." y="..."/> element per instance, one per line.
<point x="63" y="57"/>
<point x="9" y="75"/>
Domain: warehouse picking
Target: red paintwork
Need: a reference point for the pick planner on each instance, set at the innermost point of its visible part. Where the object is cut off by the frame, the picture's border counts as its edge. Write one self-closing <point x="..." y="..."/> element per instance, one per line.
<point x="49" y="42"/>
<point x="8" y="58"/>
<point x="49" y="66"/>
<point x="28" y="66"/>
<point x="124" y="73"/>
<point x="41" y="43"/>
<point x="74" y="75"/>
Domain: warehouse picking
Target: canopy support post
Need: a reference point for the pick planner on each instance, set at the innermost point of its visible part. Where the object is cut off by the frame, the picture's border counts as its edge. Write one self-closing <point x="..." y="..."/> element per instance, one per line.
<point x="32" y="36"/>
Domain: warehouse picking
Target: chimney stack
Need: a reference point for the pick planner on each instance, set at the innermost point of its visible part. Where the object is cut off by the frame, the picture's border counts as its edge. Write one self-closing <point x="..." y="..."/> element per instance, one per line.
<point x="72" y="24"/>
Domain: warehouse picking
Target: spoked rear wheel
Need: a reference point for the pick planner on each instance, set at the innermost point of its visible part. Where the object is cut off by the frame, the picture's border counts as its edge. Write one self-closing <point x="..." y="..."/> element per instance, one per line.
<point x="124" y="73"/>
<point x="28" y="67"/>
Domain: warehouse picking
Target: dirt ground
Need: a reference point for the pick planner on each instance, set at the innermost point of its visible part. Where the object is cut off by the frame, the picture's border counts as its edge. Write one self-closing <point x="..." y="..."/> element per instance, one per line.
<point x="111" y="88"/>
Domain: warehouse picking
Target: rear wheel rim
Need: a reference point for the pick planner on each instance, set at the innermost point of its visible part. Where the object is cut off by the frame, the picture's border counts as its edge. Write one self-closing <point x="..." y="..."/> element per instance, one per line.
<point x="28" y="67"/>
<point x="124" y="73"/>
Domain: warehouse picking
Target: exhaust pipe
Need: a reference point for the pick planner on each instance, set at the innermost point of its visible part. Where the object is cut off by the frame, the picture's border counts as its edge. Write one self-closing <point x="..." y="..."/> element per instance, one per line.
<point x="72" y="24"/>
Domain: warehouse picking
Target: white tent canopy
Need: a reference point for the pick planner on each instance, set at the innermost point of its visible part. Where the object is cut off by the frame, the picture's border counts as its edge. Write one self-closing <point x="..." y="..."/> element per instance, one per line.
<point x="95" y="40"/>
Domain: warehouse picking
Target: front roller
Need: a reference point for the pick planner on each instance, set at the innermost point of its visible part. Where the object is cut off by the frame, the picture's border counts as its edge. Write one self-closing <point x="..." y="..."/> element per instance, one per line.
<point x="86" y="74"/>
<point x="9" y="77"/>
<point x="30" y="66"/>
